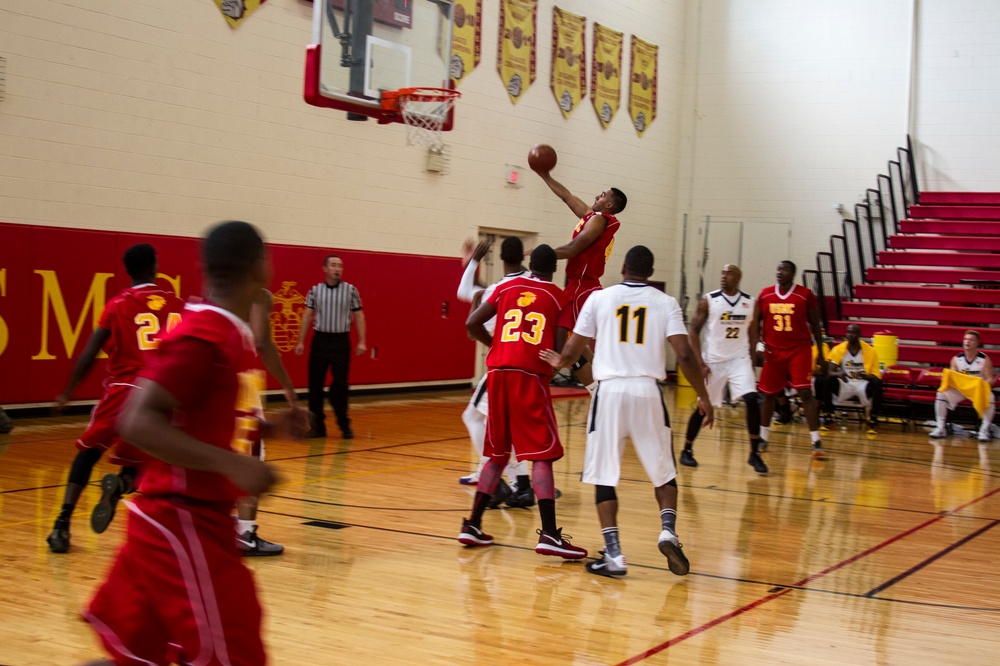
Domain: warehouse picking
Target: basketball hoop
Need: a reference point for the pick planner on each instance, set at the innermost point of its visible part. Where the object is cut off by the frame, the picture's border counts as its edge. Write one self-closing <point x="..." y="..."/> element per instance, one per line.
<point x="424" y="110"/>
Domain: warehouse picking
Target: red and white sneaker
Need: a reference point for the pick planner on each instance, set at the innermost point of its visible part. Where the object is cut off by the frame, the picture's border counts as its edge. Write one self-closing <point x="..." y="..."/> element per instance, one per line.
<point x="558" y="545"/>
<point x="473" y="536"/>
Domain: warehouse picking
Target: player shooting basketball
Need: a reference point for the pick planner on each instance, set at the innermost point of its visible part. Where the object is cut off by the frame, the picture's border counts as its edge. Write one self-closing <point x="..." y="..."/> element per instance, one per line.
<point x="588" y="250"/>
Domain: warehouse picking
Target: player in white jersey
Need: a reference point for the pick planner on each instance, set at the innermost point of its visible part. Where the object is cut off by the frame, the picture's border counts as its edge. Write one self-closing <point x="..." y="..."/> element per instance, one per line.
<point x="972" y="361"/>
<point x="474" y="416"/>
<point x="852" y="374"/>
<point x="630" y="322"/>
<point x="725" y="315"/>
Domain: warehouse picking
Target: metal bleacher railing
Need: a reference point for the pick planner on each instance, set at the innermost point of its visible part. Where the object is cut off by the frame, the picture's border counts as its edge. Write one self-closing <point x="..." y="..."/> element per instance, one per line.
<point x="856" y="248"/>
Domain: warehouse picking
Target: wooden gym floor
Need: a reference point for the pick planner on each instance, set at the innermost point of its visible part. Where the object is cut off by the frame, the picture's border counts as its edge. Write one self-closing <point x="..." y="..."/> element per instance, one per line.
<point x="885" y="553"/>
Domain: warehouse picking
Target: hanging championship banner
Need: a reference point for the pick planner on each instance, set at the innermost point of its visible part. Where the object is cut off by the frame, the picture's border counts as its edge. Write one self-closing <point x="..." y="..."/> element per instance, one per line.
<point x="516" y="46"/>
<point x="466" y="39"/>
<point x="642" y="84"/>
<point x="569" y="70"/>
<point x="606" y="73"/>
<point x="237" y="10"/>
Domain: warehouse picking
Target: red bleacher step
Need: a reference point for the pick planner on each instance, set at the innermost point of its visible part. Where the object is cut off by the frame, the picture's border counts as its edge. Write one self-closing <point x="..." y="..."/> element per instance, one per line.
<point x="980" y="243"/>
<point x="943" y="259"/>
<point x="960" y="198"/>
<point x="939" y="313"/>
<point x="934" y="354"/>
<point x="961" y="295"/>
<point x="956" y="212"/>
<point x="951" y="227"/>
<point x="948" y="335"/>
<point x="931" y="276"/>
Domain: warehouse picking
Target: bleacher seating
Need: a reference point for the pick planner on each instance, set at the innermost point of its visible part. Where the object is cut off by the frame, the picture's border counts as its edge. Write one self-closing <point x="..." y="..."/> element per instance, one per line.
<point x="937" y="277"/>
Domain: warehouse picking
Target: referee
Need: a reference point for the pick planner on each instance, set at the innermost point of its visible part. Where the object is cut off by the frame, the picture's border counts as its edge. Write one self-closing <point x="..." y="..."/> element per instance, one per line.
<point x="333" y="303"/>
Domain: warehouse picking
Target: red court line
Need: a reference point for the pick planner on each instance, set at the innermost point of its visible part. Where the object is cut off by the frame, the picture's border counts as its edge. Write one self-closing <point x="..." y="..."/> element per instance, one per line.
<point x="805" y="581"/>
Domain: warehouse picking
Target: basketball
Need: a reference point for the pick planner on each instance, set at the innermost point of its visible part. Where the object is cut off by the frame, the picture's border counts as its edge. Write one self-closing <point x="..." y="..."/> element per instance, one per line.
<point x="542" y="158"/>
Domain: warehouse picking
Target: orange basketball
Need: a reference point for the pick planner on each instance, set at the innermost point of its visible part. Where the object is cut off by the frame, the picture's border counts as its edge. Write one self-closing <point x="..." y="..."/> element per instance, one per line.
<point x="542" y="158"/>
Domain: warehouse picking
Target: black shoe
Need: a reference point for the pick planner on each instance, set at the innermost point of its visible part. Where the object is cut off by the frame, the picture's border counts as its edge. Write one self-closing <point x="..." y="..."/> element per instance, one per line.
<point x="687" y="458"/>
<point x="6" y="425"/>
<point x="104" y="510"/>
<point x="522" y="499"/>
<point x="347" y="433"/>
<point x="252" y="545"/>
<point x="501" y="495"/>
<point x="315" y="433"/>
<point x="757" y="463"/>
<point x="59" y="539"/>
<point x="818" y="452"/>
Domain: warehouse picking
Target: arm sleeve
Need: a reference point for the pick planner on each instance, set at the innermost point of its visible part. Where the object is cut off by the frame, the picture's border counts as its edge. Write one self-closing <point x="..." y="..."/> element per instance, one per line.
<point x="467" y="287"/>
<point x="586" y="321"/>
<point x="311" y="299"/>
<point x="355" y="299"/>
<point x="675" y="320"/>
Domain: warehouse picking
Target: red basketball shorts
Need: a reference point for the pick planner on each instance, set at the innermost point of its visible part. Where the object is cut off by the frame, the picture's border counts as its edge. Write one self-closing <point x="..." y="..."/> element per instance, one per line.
<point x="577" y="292"/>
<point x="178" y="592"/>
<point x="786" y="366"/>
<point x="520" y="417"/>
<point x="102" y="431"/>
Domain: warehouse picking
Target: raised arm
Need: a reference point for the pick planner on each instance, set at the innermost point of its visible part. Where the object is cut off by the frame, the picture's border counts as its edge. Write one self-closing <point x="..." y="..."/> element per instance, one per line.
<point x="83" y="366"/>
<point x="576" y="204"/>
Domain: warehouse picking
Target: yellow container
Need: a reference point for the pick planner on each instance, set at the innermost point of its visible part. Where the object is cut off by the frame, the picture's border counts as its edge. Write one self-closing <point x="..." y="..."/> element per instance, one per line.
<point x="682" y="379"/>
<point x="886" y="348"/>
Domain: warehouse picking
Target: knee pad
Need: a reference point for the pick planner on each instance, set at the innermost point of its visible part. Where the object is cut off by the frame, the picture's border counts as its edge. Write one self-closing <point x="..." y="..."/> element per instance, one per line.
<point x="604" y="494"/>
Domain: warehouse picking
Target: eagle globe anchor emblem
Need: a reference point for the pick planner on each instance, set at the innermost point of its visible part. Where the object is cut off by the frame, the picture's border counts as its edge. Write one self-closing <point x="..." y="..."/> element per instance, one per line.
<point x="286" y="317"/>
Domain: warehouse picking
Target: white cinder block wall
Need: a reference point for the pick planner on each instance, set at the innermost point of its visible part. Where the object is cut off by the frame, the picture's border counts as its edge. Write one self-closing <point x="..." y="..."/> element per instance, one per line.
<point x="160" y="118"/>
<point x="957" y="95"/>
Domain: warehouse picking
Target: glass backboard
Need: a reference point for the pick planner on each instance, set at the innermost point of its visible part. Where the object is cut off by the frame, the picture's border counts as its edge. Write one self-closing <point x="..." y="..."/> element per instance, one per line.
<point x="364" y="47"/>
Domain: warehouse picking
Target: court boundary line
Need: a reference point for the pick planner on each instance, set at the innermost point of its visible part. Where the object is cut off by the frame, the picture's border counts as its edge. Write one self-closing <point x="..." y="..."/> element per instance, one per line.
<point x="802" y="583"/>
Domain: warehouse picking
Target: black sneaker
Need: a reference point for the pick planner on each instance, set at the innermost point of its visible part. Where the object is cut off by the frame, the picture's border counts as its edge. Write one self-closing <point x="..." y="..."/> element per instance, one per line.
<point x="503" y="492"/>
<point x="347" y="433"/>
<point x="687" y="458"/>
<point x="473" y="536"/>
<point x="757" y="463"/>
<point x="252" y="545"/>
<point x="818" y="452"/>
<point x="315" y="433"/>
<point x="58" y="540"/>
<point x="522" y="499"/>
<point x="613" y="567"/>
<point x="104" y="510"/>
<point x="6" y="425"/>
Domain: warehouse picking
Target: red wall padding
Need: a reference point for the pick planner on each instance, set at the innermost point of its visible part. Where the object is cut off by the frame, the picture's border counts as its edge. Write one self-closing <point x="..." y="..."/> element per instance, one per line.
<point x="402" y="295"/>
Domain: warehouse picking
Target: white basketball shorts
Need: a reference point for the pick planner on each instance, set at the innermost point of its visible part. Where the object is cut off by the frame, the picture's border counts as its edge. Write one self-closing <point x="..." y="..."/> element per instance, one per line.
<point x="630" y="408"/>
<point x="737" y="373"/>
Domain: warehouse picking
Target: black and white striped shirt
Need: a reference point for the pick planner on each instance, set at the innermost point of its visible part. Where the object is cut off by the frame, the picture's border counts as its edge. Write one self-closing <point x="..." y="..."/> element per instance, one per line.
<point x="333" y="306"/>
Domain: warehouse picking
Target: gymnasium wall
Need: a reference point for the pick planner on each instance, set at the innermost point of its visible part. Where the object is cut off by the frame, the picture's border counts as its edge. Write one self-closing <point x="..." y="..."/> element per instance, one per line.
<point x="957" y="95"/>
<point x="160" y="118"/>
<point x="54" y="287"/>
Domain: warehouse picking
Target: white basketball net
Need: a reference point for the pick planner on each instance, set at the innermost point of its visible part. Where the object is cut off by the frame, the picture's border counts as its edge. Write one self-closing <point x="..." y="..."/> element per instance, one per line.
<point x="424" y="114"/>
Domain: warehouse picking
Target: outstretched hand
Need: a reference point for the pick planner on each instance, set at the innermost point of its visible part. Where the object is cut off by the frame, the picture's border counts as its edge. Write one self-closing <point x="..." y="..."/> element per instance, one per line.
<point x="292" y="423"/>
<point x="552" y="357"/>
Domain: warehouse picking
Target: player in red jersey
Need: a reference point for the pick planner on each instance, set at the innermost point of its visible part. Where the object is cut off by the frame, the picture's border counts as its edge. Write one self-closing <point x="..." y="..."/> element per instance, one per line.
<point x="178" y="591"/>
<point x="587" y="254"/>
<point x="786" y="318"/>
<point x="130" y="326"/>
<point x="520" y="407"/>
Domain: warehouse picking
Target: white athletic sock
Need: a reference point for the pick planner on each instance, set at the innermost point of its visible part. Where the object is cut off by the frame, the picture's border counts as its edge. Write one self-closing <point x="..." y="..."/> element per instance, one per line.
<point x="940" y="412"/>
<point x="814" y="436"/>
<point x="243" y="526"/>
<point x="988" y="419"/>
<point x="765" y="434"/>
